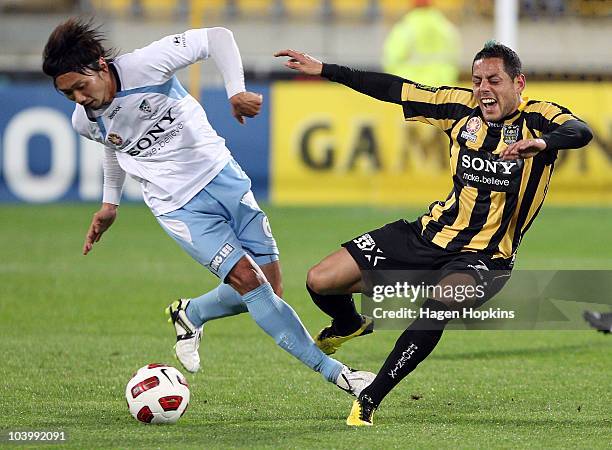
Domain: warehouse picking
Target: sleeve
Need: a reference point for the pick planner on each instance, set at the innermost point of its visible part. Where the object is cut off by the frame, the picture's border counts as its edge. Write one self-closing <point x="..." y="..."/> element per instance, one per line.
<point x="440" y="107"/>
<point x="570" y="134"/>
<point x="114" y="176"/>
<point x="380" y="86"/>
<point x="173" y="52"/>
<point x="79" y="121"/>
<point x="224" y="51"/>
<point x="559" y="127"/>
<point x="437" y="106"/>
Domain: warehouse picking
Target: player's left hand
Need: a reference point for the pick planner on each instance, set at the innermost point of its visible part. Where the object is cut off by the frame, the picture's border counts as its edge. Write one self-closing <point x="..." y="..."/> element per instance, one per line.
<point x="100" y="222"/>
<point x="246" y="104"/>
<point x="523" y="149"/>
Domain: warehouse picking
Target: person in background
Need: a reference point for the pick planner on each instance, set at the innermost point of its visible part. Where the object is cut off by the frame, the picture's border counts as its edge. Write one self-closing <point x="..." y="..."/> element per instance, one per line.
<point x="424" y="45"/>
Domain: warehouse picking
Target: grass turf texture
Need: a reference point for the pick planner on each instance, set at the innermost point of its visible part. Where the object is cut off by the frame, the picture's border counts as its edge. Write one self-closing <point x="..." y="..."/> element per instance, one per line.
<point x="75" y="328"/>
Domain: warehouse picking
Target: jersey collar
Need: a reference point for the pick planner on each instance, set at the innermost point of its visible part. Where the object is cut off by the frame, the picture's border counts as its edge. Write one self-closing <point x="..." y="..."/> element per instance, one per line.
<point x="510" y="117"/>
<point x="93" y="114"/>
<point x="115" y="74"/>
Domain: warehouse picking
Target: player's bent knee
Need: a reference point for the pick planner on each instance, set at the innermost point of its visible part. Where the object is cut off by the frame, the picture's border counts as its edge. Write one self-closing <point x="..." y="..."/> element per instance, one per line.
<point x="318" y="280"/>
<point x="246" y="276"/>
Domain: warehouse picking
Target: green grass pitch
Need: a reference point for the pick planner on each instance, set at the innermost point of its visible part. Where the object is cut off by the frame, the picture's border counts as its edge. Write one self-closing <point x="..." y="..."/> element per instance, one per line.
<point x="75" y="328"/>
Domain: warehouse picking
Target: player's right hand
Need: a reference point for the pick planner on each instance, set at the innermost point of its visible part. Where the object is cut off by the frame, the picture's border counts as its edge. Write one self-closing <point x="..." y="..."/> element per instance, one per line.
<point x="101" y="221"/>
<point x="246" y="104"/>
<point x="301" y="62"/>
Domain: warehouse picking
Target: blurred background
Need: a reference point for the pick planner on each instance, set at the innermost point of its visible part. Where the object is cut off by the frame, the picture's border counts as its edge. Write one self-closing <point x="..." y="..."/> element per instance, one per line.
<point x="315" y="142"/>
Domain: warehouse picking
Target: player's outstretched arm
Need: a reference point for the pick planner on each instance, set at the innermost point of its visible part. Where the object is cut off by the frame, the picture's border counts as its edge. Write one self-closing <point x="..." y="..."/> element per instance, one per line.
<point x="100" y="222"/>
<point x="381" y="86"/>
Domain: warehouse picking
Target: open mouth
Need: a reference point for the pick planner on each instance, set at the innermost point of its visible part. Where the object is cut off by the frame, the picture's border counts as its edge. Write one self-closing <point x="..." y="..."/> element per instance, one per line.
<point x="488" y="104"/>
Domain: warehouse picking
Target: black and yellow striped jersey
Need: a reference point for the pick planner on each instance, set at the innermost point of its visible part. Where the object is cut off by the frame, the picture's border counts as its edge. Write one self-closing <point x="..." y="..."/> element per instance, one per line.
<point x="493" y="202"/>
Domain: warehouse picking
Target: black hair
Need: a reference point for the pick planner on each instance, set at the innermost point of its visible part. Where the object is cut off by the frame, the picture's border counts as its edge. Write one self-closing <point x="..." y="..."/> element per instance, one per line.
<point x="493" y="49"/>
<point x="75" y="46"/>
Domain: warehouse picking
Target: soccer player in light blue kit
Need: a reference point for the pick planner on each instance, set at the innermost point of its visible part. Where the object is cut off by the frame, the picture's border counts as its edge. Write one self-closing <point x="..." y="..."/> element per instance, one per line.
<point x="154" y="131"/>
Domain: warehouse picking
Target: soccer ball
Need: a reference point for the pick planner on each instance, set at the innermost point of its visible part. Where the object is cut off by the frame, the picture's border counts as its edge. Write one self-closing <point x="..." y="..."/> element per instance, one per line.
<point x="157" y="393"/>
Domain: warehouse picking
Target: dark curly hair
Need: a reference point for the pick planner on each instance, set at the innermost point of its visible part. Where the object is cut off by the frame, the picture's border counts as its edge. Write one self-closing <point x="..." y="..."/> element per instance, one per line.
<point x="75" y="46"/>
<point x="493" y="49"/>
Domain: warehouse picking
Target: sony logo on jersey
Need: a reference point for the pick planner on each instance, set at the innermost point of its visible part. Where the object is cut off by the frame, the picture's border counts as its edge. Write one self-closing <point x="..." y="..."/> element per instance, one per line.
<point x="154" y="133"/>
<point x="484" y="170"/>
<point x="485" y="165"/>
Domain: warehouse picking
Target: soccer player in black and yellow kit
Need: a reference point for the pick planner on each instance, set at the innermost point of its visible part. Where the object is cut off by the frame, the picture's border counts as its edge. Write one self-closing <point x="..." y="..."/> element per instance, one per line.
<point x="502" y="152"/>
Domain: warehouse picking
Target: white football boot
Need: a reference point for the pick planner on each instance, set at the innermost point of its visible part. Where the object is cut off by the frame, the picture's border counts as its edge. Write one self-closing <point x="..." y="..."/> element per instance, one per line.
<point x="354" y="381"/>
<point x="188" y="336"/>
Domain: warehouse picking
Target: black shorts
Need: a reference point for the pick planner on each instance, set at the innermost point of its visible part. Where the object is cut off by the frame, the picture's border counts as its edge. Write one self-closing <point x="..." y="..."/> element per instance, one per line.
<point x="399" y="246"/>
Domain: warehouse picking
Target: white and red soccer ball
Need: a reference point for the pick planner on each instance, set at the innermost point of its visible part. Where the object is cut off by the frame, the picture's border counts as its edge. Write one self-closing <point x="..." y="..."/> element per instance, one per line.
<point x="157" y="393"/>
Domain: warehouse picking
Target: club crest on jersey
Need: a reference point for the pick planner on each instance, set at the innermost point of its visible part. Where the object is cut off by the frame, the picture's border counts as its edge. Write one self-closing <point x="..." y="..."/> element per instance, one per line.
<point x="473" y="125"/>
<point x="145" y="107"/>
<point x="471" y="128"/>
<point x="147" y="111"/>
<point x="510" y="134"/>
<point x="115" y="139"/>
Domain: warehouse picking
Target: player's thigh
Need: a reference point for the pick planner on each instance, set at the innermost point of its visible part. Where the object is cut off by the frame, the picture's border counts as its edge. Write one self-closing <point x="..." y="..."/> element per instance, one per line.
<point x="471" y="279"/>
<point x="388" y="255"/>
<point x="231" y="189"/>
<point x="253" y="229"/>
<point x="338" y="273"/>
<point x="206" y="237"/>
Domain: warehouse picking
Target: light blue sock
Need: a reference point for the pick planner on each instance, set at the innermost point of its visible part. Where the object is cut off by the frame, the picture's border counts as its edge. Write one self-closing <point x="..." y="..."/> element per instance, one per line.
<point x="222" y="301"/>
<point x="281" y="322"/>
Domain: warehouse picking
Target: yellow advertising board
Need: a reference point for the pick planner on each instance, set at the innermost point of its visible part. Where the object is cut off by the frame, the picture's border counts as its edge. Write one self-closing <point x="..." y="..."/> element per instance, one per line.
<point x="331" y="145"/>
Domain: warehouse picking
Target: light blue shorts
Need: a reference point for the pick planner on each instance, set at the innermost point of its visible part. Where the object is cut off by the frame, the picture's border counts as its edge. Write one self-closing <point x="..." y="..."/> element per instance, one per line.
<point x="222" y="223"/>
